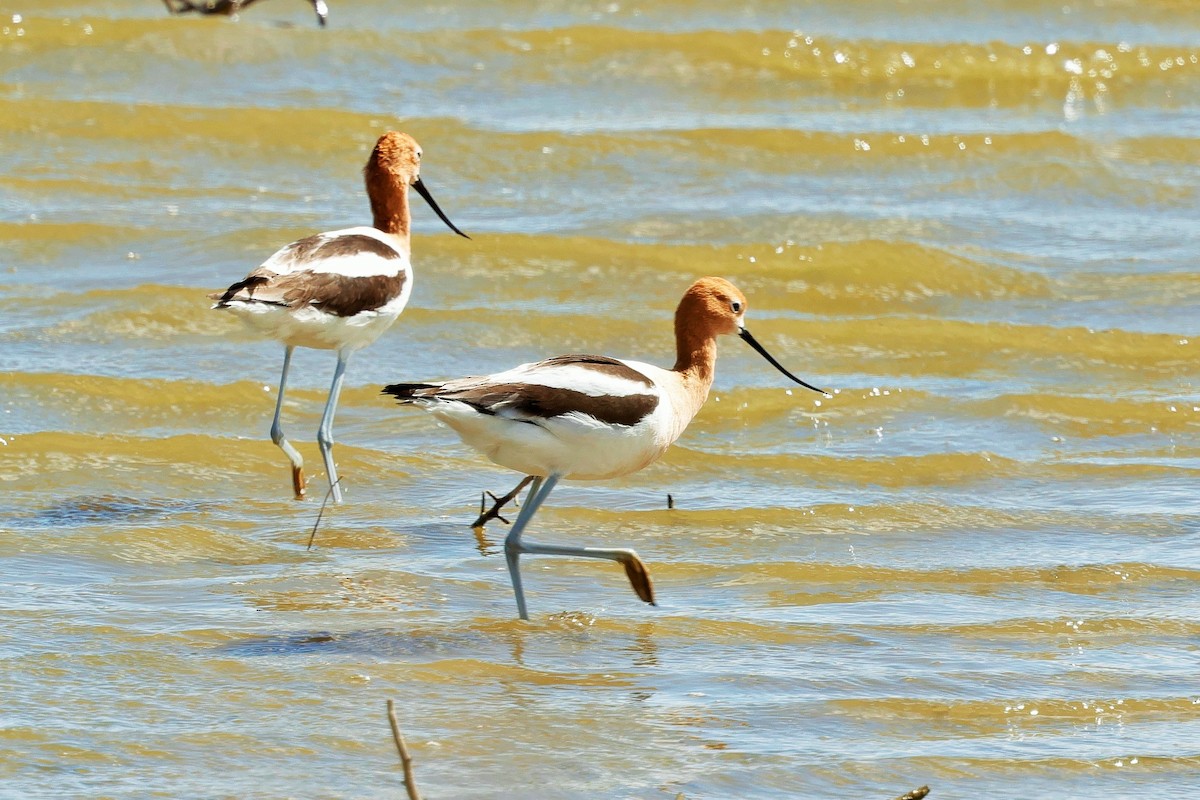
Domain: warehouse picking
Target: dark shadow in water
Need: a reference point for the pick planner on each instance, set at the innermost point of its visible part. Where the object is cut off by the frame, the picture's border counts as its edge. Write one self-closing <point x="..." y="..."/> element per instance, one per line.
<point x="386" y="644"/>
<point x="78" y="512"/>
<point x="555" y="651"/>
<point x="501" y="642"/>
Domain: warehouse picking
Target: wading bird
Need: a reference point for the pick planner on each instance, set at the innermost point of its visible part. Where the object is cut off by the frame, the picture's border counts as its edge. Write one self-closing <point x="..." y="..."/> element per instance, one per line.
<point x="590" y="417"/>
<point x="338" y="290"/>
<point x="229" y="8"/>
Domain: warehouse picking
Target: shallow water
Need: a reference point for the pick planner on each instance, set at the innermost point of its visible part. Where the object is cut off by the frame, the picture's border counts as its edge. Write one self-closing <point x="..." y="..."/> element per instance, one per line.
<point x="975" y="567"/>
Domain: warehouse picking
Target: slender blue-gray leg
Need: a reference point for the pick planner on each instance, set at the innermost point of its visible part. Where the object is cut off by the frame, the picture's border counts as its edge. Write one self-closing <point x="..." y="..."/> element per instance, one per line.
<point x="635" y="570"/>
<point x="512" y="543"/>
<point x="277" y="430"/>
<point x="325" y="432"/>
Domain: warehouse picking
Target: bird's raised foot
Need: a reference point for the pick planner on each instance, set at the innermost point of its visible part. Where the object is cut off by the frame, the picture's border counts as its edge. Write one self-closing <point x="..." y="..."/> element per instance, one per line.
<point x="639" y="577"/>
<point x="498" y="503"/>
<point x="298" y="482"/>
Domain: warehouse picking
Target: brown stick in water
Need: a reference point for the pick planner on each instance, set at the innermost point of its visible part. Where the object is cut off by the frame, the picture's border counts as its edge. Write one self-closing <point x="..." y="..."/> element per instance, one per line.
<point x="405" y="758"/>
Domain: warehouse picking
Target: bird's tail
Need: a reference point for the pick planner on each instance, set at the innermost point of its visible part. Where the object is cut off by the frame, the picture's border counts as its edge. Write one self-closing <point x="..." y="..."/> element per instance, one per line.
<point x="408" y="392"/>
<point x="221" y="298"/>
<point x="243" y="291"/>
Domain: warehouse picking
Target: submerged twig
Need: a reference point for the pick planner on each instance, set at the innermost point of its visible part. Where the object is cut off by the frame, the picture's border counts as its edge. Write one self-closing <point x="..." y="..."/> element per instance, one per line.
<point x="321" y="513"/>
<point x="402" y="749"/>
<point x="486" y="514"/>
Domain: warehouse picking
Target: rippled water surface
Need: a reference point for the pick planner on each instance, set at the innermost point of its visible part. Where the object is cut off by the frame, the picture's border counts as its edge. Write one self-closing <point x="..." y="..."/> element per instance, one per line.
<point x="976" y="566"/>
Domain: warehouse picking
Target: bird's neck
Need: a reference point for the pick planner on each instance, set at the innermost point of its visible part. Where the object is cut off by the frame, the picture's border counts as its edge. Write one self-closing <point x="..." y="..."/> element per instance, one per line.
<point x="695" y="363"/>
<point x="389" y="206"/>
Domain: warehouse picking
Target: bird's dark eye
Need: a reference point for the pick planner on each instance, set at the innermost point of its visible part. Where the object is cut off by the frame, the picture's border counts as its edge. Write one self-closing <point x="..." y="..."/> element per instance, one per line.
<point x="736" y="306"/>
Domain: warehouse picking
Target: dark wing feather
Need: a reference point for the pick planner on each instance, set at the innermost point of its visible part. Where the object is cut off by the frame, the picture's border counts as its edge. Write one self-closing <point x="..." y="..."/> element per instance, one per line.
<point x="337" y="294"/>
<point x="601" y="364"/>
<point x="406" y="392"/>
<point x="332" y="292"/>
<point x="535" y="402"/>
<point x="531" y="402"/>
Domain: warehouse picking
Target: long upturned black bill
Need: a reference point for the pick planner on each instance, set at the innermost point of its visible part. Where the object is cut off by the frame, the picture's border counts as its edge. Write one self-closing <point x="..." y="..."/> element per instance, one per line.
<point x="750" y="340"/>
<point x="421" y="190"/>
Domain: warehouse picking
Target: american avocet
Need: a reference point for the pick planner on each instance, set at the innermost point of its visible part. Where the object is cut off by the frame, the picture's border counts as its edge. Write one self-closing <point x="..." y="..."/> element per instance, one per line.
<point x="338" y="290"/>
<point x="231" y="7"/>
<point x="590" y="417"/>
